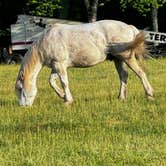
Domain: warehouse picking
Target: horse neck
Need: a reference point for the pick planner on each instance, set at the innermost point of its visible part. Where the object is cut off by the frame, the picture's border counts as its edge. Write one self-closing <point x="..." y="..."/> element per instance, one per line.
<point x="34" y="72"/>
<point x="31" y="67"/>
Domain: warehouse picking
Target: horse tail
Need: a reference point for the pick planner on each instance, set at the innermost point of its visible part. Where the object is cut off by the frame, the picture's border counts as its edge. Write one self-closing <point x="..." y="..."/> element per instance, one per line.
<point x="138" y="45"/>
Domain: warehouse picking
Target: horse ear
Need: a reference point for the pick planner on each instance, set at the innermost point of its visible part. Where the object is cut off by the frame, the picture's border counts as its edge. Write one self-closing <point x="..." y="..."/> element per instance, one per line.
<point x="22" y="75"/>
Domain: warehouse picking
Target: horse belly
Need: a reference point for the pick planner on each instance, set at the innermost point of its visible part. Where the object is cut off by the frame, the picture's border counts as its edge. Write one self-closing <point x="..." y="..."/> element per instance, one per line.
<point x="84" y="57"/>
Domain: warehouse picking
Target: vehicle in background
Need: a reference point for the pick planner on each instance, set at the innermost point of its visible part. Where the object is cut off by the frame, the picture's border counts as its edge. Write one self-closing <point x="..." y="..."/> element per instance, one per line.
<point x="23" y="33"/>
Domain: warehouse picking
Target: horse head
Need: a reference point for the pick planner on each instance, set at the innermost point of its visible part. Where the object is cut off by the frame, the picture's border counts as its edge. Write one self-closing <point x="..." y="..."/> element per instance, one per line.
<point x="25" y="90"/>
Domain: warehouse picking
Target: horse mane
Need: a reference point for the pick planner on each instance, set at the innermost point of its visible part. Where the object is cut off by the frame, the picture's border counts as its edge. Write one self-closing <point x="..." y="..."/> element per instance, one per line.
<point x="31" y="59"/>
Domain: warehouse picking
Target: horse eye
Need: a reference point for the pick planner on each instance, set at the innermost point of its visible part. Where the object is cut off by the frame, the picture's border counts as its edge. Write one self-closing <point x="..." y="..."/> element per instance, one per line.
<point x="20" y="89"/>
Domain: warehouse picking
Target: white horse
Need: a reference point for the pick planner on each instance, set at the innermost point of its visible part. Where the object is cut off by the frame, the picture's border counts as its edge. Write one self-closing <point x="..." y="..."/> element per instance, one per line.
<point x="83" y="45"/>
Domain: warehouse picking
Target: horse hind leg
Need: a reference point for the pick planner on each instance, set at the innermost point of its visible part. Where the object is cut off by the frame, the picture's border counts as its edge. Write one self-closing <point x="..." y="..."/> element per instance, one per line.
<point x="52" y="81"/>
<point x="123" y="75"/>
<point x="62" y="73"/>
<point x="133" y="65"/>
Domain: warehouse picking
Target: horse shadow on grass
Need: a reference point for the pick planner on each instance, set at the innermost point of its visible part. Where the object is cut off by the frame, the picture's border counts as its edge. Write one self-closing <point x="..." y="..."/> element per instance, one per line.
<point x="10" y="103"/>
<point x="54" y="127"/>
<point x="139" y="129"/>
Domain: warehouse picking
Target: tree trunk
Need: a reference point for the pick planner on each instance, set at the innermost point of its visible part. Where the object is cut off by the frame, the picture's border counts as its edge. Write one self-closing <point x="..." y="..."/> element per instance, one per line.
<point x="91" y="6"/>
<point x="154" y="15"/>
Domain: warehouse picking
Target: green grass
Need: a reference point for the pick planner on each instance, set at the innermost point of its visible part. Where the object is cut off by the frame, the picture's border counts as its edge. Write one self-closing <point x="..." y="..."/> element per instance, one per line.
<point x="97" y="129"/>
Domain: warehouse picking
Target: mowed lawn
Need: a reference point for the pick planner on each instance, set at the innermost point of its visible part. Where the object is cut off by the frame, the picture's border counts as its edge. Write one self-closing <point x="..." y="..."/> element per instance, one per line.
<point x="96" y="130"/>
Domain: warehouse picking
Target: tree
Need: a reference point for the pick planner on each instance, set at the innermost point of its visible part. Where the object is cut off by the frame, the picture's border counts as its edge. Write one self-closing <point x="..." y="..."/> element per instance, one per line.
<point x="144" y="7"/>
<point x="43" y="7"/>
<point x="91" y="6"/>
<point x="8" y="16"/>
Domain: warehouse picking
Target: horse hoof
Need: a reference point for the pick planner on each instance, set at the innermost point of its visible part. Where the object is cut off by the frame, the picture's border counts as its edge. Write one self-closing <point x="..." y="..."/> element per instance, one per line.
<point x="122" y="98"/>
<point x="68" y="103"/>
<point x="150" y="98"/>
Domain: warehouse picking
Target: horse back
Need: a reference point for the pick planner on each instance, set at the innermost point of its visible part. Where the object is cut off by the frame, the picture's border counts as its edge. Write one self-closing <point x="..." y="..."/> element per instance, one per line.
<point x="84" y="45"/>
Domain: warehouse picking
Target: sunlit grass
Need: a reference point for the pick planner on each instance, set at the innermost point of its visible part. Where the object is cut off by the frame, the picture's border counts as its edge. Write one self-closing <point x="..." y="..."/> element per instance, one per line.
<point x="97" y="129"/>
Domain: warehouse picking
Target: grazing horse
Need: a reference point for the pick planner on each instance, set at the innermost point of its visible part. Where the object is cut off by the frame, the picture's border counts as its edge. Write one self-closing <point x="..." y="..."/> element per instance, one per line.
<point x="83" y="45"/>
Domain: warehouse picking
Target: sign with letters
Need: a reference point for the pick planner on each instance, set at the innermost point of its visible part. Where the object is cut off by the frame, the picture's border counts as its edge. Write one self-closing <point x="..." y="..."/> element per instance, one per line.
<point x="155" y="37"/>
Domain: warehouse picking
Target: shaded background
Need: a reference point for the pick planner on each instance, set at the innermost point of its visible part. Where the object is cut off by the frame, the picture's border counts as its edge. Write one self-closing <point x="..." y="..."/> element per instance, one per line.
<point x="76" y="10"/>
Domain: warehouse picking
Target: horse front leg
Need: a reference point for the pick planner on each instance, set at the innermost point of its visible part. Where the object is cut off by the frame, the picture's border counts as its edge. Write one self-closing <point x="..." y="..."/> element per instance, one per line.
<point x="133" y="65"/>
<point x="52" y="81"/>
<point x="62" y="73"/>
<point x="123" y="75"/>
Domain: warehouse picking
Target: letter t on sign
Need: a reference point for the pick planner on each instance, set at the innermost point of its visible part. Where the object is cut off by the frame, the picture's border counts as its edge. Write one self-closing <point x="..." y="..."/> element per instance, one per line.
<point x="151" y="36"/>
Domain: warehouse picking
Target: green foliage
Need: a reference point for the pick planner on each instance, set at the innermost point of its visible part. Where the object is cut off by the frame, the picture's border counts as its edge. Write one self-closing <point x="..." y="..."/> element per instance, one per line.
<point x="43" y="7"/>
<point x="143" y="6"/>
<point x="96" y="130"/>
<point x="103" y="2"/>
<point x="5" y="32"/>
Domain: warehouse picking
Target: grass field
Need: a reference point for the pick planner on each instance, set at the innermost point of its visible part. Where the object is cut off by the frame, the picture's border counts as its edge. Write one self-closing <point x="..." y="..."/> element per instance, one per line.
<point x="97" y="129"/>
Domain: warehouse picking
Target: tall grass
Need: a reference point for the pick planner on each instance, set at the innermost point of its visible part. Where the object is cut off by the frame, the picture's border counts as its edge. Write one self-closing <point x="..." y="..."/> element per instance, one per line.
<point x="97" y="129"/>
